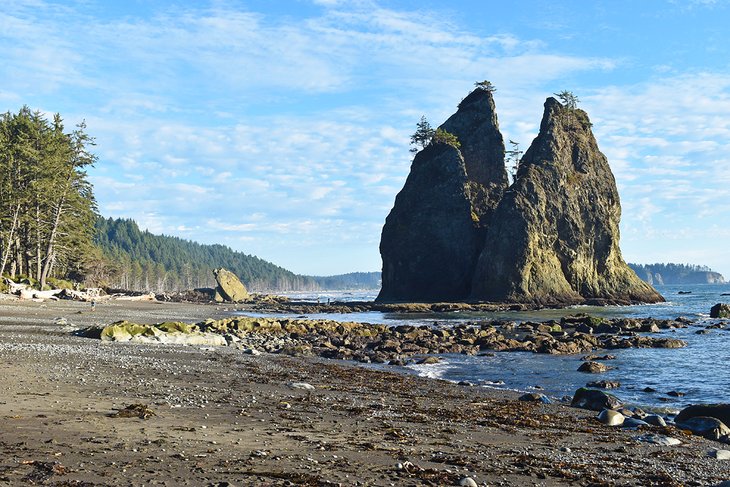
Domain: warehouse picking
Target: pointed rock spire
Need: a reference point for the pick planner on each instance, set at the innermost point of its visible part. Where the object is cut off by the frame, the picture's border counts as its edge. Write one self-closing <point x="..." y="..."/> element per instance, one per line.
<point x="554" y="237"/>
<point x="433" y="235"/>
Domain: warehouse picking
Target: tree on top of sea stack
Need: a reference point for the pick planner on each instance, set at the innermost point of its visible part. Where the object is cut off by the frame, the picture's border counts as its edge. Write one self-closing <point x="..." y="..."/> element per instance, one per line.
<point x="554" y="238"/>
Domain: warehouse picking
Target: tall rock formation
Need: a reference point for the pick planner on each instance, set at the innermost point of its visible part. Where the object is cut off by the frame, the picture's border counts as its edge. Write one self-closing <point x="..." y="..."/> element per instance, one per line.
<point x="554" y="237"/>
<point x="434" y="233"/>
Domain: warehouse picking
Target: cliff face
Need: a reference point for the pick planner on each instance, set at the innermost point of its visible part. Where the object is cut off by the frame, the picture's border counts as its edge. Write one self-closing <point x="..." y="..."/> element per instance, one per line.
<point x="430" y="241"/>
<point x="433" y="235"/>
<point x="458" y="232"/>
<point x="554" y="237"/>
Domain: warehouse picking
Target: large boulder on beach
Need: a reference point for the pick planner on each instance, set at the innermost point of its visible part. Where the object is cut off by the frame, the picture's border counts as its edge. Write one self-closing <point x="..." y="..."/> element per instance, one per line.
<point x="554" y="238"/>
<point x="433" y="235"/>
<point x="708" y="427"/>
<point x="229" y="288"/>
<point x="719" y="411"/>
<point x="594" y="400"/>
<point x="720" y="310"/>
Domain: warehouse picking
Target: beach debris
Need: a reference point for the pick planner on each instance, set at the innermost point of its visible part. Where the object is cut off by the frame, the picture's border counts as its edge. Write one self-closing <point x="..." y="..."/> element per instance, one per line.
<point x="140" y="411"/>
<point x="594" y="400"/>
<point x="140" y="297"/>
<point x="535" y="397"/>
<point x="660" y="440"/>
<point x="720" y="310"/>
<point x="719" y="454"/>
<point x="42" y="471"/>
<point x="610" y="417"/>
<point x="593" y="367"/>
<point x="301" y="385"/>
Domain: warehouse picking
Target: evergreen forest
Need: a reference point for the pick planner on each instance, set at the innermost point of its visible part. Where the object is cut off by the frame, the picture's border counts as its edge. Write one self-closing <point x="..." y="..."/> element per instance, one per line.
<point x="47" y="207"/>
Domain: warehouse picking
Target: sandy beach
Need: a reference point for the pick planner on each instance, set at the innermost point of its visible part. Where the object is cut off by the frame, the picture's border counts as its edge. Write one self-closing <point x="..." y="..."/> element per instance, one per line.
<point x="216" y="416"/>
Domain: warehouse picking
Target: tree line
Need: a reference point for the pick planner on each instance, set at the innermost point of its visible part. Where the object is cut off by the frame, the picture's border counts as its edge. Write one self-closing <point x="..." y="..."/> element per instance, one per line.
<point x="47" y="206"/>
<point x="138" y="260"/>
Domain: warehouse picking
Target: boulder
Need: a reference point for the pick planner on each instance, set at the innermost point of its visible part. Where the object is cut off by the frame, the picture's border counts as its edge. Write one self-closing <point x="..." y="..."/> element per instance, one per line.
<point x="594" y="400"/>
<point x="593" y="367"/>
<point x="230" y="288"/>
<point x="176" y="333"/>
<point x="710" y="428"/>
<point x="554" y="237"/>
<point x="609" y="417"/>
<point x="720" y="310"/>
<point x="604" y="384"/>
<point x="719" y="411"/>
<point x="433" y="235"/>
<point x="534" y="397"/>
<point x="655" y="420"/>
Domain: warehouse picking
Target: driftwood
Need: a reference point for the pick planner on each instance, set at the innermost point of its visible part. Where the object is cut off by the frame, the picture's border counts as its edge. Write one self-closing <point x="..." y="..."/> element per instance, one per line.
<point x="142" y="297"/>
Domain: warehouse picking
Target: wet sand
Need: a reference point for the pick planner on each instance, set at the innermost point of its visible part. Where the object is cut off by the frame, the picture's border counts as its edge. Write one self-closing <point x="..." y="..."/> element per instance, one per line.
<point x="216" y="416"/>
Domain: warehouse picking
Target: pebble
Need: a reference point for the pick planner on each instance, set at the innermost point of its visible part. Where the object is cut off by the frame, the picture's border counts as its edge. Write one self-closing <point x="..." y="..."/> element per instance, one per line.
<point x="468" y="482"/>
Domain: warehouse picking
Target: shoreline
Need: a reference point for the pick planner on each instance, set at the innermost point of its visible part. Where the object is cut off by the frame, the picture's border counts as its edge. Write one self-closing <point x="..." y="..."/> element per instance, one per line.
<point x="224" y="416"/>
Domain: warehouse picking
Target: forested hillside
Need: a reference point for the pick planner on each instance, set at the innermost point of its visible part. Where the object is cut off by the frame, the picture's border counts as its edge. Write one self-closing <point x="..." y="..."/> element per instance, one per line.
<point x="677" y="274"/>
<point x="47" y="207"/>
<point x="143" y="261"/>
<point x="139" y="260"/>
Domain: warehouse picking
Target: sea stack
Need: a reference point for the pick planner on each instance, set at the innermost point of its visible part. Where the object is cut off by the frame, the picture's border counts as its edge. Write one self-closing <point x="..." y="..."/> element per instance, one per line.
<point x="554" y="237"/>
<point x="434" y="234"/>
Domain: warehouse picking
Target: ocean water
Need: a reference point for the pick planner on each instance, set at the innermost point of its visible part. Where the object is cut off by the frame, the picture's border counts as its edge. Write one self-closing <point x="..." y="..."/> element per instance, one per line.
<point x="701" y="371"/>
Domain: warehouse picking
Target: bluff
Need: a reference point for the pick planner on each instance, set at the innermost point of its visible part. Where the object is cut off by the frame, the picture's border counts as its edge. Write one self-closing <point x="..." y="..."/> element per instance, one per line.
<point x="554" y="237"/>
<point x="458" y="232"/>
<point x="677" y="274"/>
<point x="433" y="235"/>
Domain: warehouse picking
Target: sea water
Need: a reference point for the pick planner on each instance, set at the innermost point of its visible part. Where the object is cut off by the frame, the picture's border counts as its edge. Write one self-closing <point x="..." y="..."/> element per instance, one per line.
<point x="701" y="371"/>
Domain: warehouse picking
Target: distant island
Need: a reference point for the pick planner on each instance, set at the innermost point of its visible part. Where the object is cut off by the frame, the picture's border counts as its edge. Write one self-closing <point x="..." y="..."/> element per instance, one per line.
<point x="677" y="274"/>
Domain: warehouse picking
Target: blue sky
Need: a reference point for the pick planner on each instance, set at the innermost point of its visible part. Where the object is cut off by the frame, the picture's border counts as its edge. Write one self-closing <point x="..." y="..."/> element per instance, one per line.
<point x="281" y="128"/>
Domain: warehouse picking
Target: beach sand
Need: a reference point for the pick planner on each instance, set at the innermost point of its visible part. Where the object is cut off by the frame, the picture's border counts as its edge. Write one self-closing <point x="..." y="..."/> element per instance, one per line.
<point x="217" y="416"/>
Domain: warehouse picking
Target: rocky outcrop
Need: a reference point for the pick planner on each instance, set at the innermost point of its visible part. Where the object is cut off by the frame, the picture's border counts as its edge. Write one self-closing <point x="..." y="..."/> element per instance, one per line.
<point x="229" y="288"/>
<point x="554" y="238"/>
<point x="720" y="310"/>
<point x="433" y="235"/>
